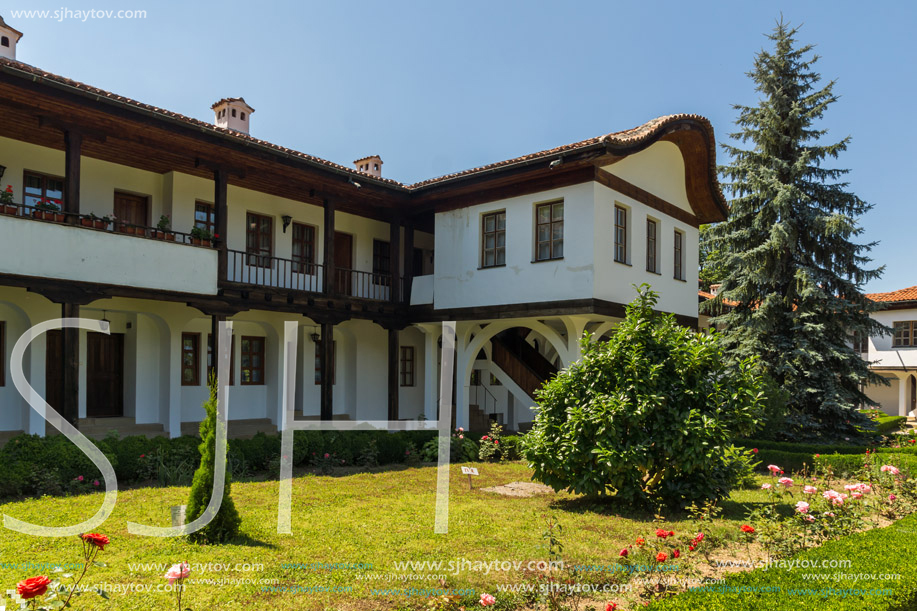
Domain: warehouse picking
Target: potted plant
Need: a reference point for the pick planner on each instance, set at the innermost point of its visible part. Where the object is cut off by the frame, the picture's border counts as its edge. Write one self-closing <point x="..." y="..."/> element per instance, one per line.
<point x="48" y="211"/>
<point x="163" y="229"/>
<point x="104" y="222"/>
<point x="201" y="236"/>
<point x="6" y="201"/>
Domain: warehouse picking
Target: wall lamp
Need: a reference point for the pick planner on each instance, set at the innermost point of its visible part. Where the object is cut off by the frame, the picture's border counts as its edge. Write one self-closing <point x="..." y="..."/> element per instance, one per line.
<point x="287" y="219"/>
<point x="354" y="183"/>
<point x="556" y="163"/>
<point x="315" y="336"/>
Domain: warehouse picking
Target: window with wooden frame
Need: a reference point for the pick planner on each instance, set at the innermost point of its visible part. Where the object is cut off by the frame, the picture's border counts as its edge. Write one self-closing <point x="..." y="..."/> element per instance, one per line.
<point x="860" y="342"/>
<point x="205" y="217"/>
<point x="495" y="381"/>
<point x="679" y="244"/>
<point x="493" y="242"/>
<point x="475" y="377"/>
<point x="259" y="239"/>
<point x="252" y="354"/>
<point x="2" y="353"/>
<point x="549" y="231"/>
<point x="382" y="262"/>
<point x="407" y="365"/>
<point x="318" y="362"/>
<point x="190" y="359"/>
<point x="303" y="249"/>
<point x="905" y="333"/>
<point x="651" y="246"/>
<point x="620" y="234"/>
<point x="232" y="359"/>
<point x="38" y="188"/>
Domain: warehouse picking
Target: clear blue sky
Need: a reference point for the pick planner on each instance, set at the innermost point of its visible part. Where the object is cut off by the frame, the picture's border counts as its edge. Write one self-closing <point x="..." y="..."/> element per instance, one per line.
<point x="436" y="87"/>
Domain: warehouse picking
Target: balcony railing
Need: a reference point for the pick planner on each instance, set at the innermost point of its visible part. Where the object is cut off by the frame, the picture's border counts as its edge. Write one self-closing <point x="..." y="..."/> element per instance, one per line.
<point x="46" y="214"/>
<point x="296" y="275"/>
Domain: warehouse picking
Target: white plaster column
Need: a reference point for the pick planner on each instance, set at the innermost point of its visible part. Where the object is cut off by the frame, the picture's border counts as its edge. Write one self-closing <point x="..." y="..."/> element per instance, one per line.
<point x="902" y="395"/>
<point x="35" y="424"/>
<point x="462" y="380"/>
<point x="430" y="371"/>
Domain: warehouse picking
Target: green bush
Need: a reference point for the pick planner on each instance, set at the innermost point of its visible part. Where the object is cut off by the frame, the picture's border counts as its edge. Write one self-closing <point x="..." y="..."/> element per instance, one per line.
<point x="512" y="447"/>
<point x="888" y="550"/>
<point x="845" y="464"/>
<point x="225" y="524"/>
<point x="889" y="424"/>
<point x="646" y="416"/>
<point x="801" y="448"/>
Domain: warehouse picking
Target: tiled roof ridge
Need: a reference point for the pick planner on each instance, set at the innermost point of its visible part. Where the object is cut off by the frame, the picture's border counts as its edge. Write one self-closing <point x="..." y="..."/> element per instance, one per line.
<point x="625" y="137"/>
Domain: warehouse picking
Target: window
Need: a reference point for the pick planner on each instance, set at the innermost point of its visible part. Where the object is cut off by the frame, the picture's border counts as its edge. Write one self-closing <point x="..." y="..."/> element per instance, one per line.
<point x="242" y="116"/>
<point x="679" y="242"/>
<point x="620" y="234"/>
<point x="205" y="217"/>
<point x="476" y="377"/>
<point x="376" y="167"/>
<point x="234" y="112"/>
<point x="4" y="41"/>
<point x="493" y="244"/>
<point x="303" y="249"/>
<point x="252" y="361"/>
<point x="39" y="187"/>
<point x="382" y="262"/>
<point x="860" y="342"/>
<point x="651" y="246"/>
<point x="232" y="359"/>
<point x="407" y="365"/>
<point x="259" y="240"/>
<point x="318" y="362"/>
<point x="2" y="353"/>
<point x="549" y="231"/>
<point x="905" y="333"/>
<point x="495" y="381"/>
<point x="190" y="359"/>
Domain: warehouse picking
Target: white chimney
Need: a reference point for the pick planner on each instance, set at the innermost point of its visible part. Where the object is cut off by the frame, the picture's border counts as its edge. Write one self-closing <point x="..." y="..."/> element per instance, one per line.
<point x="371" y="165"/>
<point x="8" y="39"/>
<point x="232" y="113"/>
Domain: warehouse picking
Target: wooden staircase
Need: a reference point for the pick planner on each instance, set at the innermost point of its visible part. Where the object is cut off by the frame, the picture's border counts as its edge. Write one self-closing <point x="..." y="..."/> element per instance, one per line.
<point x="521" y="362"/>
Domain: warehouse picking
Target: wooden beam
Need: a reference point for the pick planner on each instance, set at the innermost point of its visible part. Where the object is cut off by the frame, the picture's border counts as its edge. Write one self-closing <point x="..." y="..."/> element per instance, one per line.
<point x="70" y="367"/>
<point x="644" y="197"/>
<point x="392" y="374"/>
<point x="73" y="141"/>
<point x="326" y="357"/>
<point x="329" y="286"/>
<point x="221" y="212"/>
<point x="408" y="259"/>
<point x="395" y="258"/>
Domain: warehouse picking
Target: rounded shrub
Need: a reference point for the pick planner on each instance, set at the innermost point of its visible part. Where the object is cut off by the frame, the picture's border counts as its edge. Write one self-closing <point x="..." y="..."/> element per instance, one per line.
<point x="646" y="416"/>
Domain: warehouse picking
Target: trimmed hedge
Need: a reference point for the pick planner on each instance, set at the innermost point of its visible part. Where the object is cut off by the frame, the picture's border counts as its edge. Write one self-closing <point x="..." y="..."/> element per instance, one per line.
<point x="33" y="465"/>
<point x="847" y="464"/>
<point x="801" y="448"/>
<point x="889" y="424"/>
<point x="794" y="456"/>
<point x="888" y="550"/>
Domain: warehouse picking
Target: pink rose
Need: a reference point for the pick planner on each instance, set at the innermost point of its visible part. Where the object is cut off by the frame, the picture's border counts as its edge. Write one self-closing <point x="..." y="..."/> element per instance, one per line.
<point x="765" y="486"/>
<point x="810" y="489"/>
<point x="889" y="469"/>
<point x="802" y="507"/>
<point x="773" y="468"/>
<point x="80" y="478"/>
<point x="891" y="497"/>
<point x="785" y="481"/>
<point x="487" y="600"/>
<point x="177" y="571"/>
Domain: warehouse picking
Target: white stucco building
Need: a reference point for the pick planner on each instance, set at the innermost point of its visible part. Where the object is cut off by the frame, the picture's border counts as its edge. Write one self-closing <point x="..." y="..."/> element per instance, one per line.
<point x="894" y="356"/>
<point x="211" y="223"/>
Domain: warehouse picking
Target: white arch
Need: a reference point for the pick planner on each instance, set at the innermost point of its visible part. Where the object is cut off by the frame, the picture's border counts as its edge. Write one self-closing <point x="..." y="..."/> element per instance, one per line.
<point x="484" y="335"/>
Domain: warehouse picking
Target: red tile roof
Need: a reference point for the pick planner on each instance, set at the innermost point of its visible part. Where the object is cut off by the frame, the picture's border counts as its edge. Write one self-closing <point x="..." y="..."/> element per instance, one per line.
<point x="908" y="294"/>
<point x="631" y="136"/>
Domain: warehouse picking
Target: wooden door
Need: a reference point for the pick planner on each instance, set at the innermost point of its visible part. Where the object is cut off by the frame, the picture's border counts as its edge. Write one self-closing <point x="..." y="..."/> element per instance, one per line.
<point x="343" y="262"/>
<point x="104" y="375"/>
<point x="54" y="368"/>
<point x="132" y="209"/>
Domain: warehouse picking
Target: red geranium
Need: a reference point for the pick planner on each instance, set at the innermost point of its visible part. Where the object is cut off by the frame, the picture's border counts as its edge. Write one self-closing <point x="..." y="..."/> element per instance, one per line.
<point x="100" y="541"/>
<point x="661" y="557"/>
<point x="676" y="553"/>
<point x="640" y="540"/>
<point x="611" y="606"/>
<point x="33" y="587"/>
<point x="662" y="534"/>
<point x="747" y="529"/>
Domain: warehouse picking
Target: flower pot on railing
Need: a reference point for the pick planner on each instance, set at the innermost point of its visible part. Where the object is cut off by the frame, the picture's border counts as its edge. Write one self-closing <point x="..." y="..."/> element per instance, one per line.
<point x="59" y="217"/>
<point x="128" y="229"/>
<point x="86" y="222"/>
<point x="8" y="209"/>
<point x="100" y="224"/>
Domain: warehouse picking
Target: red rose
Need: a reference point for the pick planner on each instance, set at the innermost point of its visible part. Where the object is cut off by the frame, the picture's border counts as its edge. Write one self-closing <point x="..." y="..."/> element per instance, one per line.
<point x="747" y="529"/>
<point x="661" y="557"/>
<point x="671" y="533"/>
<point x="691" y="548"/>
<point x="676" y="553"/>
<point x="754" y="450"/>
<point x="611" y="606"/>
<point x="100" y="541"/>
<point x="33" y="587"/>
<point x="699" y="537"/>
<point x="640" y="540"/>
<point x="662" y="533"/>
<point x="623" y="552"/>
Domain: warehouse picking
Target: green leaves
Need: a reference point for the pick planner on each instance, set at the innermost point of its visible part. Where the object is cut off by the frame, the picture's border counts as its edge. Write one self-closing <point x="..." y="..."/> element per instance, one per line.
<point x="645" y="416"/>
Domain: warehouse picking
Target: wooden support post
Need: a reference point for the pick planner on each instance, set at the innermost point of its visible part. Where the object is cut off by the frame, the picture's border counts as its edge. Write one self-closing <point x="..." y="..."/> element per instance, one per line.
<point x="395" y="258"/>
<point x="408" y="260"/>
<point x="327" y="365"/>
<point x="70" y="355"/>
<point x="73" y="142"/>
<point x="329" y="285"/>
<point x="392" y="374"/>
<point x="221" y="221"/>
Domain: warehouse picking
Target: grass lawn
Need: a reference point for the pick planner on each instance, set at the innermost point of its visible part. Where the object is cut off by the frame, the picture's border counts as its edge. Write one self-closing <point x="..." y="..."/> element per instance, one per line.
<point x="374" y="518"/>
